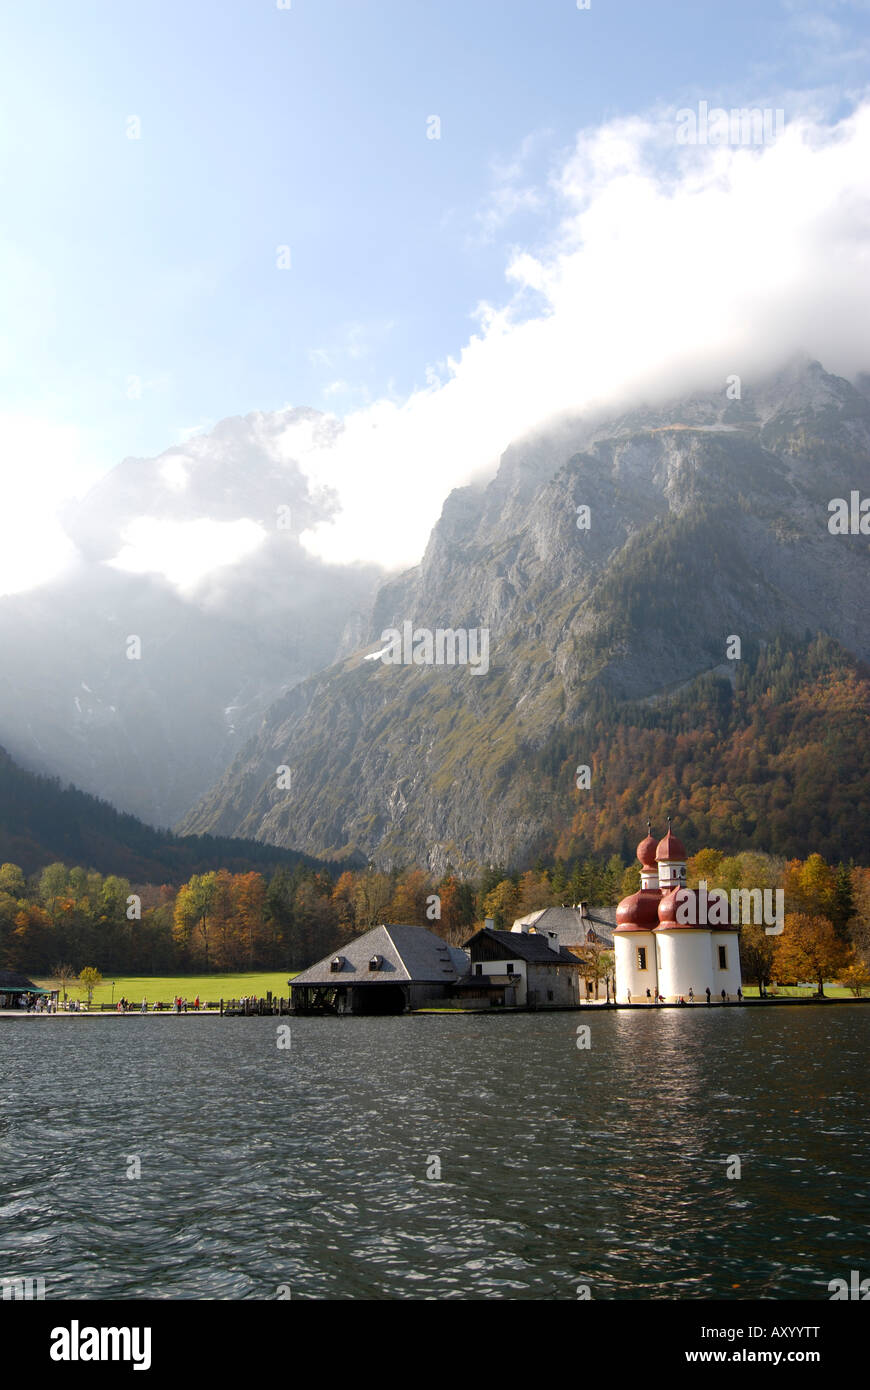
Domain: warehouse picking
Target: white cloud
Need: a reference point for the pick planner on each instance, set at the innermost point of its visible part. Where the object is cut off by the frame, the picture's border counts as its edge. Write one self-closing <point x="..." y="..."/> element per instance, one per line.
<point x="173" y="473"/>
<point x="673" y="267"/>
<point x="39" y="460"/>
<point x="512" y="190"/>
<point x="185" y="551"/>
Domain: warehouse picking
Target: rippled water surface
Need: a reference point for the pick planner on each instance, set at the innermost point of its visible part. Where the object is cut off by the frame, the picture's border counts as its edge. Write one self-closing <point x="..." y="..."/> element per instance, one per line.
<point x="307" y="1168"/>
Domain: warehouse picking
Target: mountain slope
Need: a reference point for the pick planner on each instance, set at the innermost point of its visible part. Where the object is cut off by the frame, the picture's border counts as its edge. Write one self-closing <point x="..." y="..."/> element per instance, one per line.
<point x="151" y="735"/>
<point x="709" y="519"/>
<point x="42" y="822"/>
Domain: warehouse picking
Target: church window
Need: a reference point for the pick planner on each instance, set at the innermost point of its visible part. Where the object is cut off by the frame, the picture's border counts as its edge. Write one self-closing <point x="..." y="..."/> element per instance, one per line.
<point x="723" y="958"/>
<point x="641" y="958"/>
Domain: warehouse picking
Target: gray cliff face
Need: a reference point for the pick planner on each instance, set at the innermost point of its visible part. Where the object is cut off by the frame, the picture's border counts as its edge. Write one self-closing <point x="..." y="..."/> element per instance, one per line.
<point x="708" y="518"/>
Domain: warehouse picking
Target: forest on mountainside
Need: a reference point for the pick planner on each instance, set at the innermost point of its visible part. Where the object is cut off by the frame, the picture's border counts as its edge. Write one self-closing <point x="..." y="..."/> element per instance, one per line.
<point x="41" y="821"/>
<point x="778" y="760"/>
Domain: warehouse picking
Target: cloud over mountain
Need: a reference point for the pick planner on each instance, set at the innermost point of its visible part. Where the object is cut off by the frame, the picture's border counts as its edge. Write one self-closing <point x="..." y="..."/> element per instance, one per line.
<point x="672" y="267"/>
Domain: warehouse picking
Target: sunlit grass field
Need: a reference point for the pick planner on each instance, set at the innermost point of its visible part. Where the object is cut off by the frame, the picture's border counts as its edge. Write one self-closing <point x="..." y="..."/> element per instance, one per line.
<point x="799" y="992"/>
<point x="164" y="988"/>
<point x="212" y="988"/>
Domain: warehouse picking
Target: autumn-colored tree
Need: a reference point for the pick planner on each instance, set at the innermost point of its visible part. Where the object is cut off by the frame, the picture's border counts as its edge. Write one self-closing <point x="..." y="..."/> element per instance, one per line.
<point x="809" y="947"/>
<point x="89" y="978"/>
<point x="408" y="902"/>
<point x="29" y="949"/>
<point x="193" y="907"/>
<point x="114" y="892"/>
<point x="490" y="877"/>
<point x="227" y="947"/>
<point x="343" y="899"/>
<point x="856" y="976"/>
<point x="249" y="905"/>
<point x="704" y="865"/>
<point x="371" y="898"/>
<point x="456" y="922"/>
<point x="12" y="880"/>
<point x="535" y="892"/>
<point x="53" y="884"/>
<point x="596" y="963"/>
<point x="756" y="953"/>
<point x="501" y="904"/>
<point x="729" y="874"/>
<point x="810" y="887"/>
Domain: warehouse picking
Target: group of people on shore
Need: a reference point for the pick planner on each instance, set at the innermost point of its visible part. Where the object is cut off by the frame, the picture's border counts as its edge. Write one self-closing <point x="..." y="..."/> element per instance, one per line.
<point x="179" y="1005"/>
<point x="37" y="1003"/>
<point x="660" y="998"/>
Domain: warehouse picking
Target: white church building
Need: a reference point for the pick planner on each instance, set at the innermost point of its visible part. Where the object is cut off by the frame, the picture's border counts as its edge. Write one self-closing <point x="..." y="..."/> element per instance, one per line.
<point x="664" y="948"/>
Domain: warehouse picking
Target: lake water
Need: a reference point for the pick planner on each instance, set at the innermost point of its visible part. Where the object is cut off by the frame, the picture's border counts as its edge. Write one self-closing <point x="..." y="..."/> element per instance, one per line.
<point x="307" y="1168"/>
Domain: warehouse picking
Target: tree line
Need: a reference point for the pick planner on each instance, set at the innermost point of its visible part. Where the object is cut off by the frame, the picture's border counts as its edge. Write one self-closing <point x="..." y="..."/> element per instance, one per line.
<point x="220" y="921"/>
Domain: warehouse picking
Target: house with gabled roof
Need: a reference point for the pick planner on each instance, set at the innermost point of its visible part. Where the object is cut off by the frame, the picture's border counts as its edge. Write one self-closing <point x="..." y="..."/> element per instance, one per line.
<point x="388" y="970"/>
<point x="574" y="926"/>
<point x="541" y="973"/>
<point x="587" y="932"/>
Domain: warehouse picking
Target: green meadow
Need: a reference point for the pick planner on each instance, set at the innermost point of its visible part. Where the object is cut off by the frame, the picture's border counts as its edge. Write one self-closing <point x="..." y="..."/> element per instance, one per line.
<point x="799" y="992"/>
<point x="164" y="988"/>
<point x="212" y="988"/>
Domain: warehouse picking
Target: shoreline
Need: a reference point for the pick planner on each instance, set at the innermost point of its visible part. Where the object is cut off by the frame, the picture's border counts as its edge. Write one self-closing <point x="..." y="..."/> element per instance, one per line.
<point x="599" y="1007"/>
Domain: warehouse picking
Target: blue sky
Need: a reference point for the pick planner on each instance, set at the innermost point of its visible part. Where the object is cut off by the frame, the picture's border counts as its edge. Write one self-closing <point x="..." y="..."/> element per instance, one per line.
<point x="139" y="292"/>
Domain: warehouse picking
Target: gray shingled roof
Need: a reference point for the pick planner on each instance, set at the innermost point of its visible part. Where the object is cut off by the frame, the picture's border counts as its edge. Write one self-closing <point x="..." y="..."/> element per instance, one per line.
<point x="13" y="979"/>
<point x="407" y="954"/>
<point x="526" y="946"/>
<point x="571" y="926"/>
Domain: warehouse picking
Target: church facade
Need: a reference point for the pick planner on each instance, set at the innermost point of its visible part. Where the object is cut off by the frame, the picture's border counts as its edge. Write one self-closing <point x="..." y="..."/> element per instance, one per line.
<point x="665" y="945"/>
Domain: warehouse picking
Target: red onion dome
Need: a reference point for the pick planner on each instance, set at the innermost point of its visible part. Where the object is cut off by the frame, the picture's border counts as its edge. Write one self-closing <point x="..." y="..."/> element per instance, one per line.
<point x="639" y="912"/>
<point x="646" y="852"/>
<point x="678" y="897"/>
<point x="670" y="848"/>
<point x="688" y="902"/>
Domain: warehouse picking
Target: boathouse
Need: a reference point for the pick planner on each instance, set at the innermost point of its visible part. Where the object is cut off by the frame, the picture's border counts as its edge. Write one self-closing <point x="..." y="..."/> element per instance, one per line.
<point x="15" y="987"/>
<point x="388" y="970"/>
